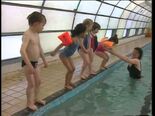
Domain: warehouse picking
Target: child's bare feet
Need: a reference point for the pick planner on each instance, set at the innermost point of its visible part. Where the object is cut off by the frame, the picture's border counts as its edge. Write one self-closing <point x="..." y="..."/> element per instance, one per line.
<point x="68" y="87"/>
<point x="93" y="73"/>
<point x="83" y="77"/>
<point x="103" y="68"/>
<point x="32" y="107"/>
<point x="41" y="102"/>
<point x="72" y="84"/>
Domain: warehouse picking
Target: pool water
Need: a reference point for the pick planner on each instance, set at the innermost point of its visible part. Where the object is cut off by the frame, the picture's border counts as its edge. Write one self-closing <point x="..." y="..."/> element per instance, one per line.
<point x="114" y="95"/>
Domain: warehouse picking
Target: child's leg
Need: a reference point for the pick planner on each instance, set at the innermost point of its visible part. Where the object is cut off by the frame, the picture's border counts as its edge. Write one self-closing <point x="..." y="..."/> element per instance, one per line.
<point x="37" y="86"/>
<point x="69" y="73"/>
<point x="73" y="68"/>
<point x="30" y="89"/>
<point x="86" y="62"/>
<point x="105" y="58"/>
<point x="91" y="57"/>
<point x="102" y="66"/>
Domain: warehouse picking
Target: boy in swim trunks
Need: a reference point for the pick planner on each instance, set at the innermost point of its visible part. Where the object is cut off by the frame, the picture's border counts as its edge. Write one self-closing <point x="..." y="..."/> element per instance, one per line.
<point x="31" y="51"/>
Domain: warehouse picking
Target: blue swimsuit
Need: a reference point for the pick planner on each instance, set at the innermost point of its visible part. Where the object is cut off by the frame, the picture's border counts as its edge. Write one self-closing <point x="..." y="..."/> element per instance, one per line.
<point x="85" y="41"/>
<point x="69" y="50"/>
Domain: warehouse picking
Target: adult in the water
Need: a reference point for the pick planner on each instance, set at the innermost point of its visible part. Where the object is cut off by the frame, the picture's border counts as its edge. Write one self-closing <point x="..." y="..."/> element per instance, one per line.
<point x="134" y="66"/>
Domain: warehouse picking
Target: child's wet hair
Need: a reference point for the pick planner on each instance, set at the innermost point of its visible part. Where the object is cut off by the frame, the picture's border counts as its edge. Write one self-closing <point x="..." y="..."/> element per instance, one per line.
<point x="140" y="51"/>
<point x="80" y="28"/>
<point x="36" y="17"/>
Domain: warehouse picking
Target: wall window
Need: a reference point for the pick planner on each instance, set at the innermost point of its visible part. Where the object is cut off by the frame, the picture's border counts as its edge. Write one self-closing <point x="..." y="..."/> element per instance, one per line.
<point x="123" y="4"/>
<point x="54" y="20"/>
<point x="127" y="32"/>
<point x="103" y="21"/>
<point x="100" y="34"/>
<point x="131" y="6"/>
<point x="103" y="9"/>
<point x="11" y="47"/>
<point x="125" y="14"/>
<point x="90" y="7"/>
<point x="35" y="3"/>
<point x="122" y="23"/>
<point x="139" y="31"/>
<point x="69" y="5"/>
<point x="136" y="33"/>
<point x="132" y="32"/>
<point x="114" y="32"/>
<point x="143" y="30"/>
<point x="18" y="16"/>
<point x="109" y="33"/>
<point x="129" y="24"/>
<point x="81" y="17"/>
<point x="117" y="12"/>
<point x="120" y="33"/>
<point x="113" y="23"/>
<point x="49" y="41"/>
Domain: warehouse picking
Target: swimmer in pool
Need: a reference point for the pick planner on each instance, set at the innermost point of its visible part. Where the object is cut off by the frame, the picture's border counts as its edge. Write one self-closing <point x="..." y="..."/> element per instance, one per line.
<point x="134" y="66"/>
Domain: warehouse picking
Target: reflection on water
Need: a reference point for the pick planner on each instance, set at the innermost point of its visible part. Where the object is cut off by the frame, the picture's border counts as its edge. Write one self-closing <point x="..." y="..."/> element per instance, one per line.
<point x="116" y="95"/>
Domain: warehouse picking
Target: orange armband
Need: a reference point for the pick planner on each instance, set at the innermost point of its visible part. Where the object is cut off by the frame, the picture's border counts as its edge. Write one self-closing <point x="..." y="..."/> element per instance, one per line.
<point x="107" y="43"/>
<point x="65" y="38"/>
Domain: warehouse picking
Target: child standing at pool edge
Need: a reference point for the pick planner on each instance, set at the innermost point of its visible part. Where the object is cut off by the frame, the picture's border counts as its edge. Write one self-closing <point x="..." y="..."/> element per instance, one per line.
<point x="31" y="51"/>
<point x="86" y="50"/>
<point x="68" y="51"/>
<point x="97" y="46"/>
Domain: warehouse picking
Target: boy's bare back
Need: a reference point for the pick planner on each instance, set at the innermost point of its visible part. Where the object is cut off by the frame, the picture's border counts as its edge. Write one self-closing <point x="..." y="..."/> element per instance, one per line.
<point x="33" y="50"/>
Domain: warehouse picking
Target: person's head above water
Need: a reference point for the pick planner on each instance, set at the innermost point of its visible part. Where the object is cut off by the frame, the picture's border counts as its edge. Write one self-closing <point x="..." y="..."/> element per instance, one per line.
<point x="79" y="30"/>
<point x="137" y="53"/>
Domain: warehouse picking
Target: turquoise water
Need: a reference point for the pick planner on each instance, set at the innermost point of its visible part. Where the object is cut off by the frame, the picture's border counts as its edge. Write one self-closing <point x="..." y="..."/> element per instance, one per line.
<point x="115" y="95"/>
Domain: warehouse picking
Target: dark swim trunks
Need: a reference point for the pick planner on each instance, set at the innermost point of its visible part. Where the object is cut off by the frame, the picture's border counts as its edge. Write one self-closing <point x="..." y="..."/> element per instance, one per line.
<point x="34" y="63"/>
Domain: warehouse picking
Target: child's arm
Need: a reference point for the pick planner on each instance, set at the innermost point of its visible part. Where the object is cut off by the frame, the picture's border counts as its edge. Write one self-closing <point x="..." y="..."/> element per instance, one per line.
<point x="125" y="58"/>
<point x="82" y="46"/>
<point x="42" y="56"/>
<point x="56" y="49"/>
<point x="26" y="40"/>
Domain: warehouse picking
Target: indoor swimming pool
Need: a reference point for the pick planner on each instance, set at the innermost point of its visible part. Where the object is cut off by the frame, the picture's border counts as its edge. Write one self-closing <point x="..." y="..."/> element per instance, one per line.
<point x="48" y="45"/>
<point x="114" y="93"/>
